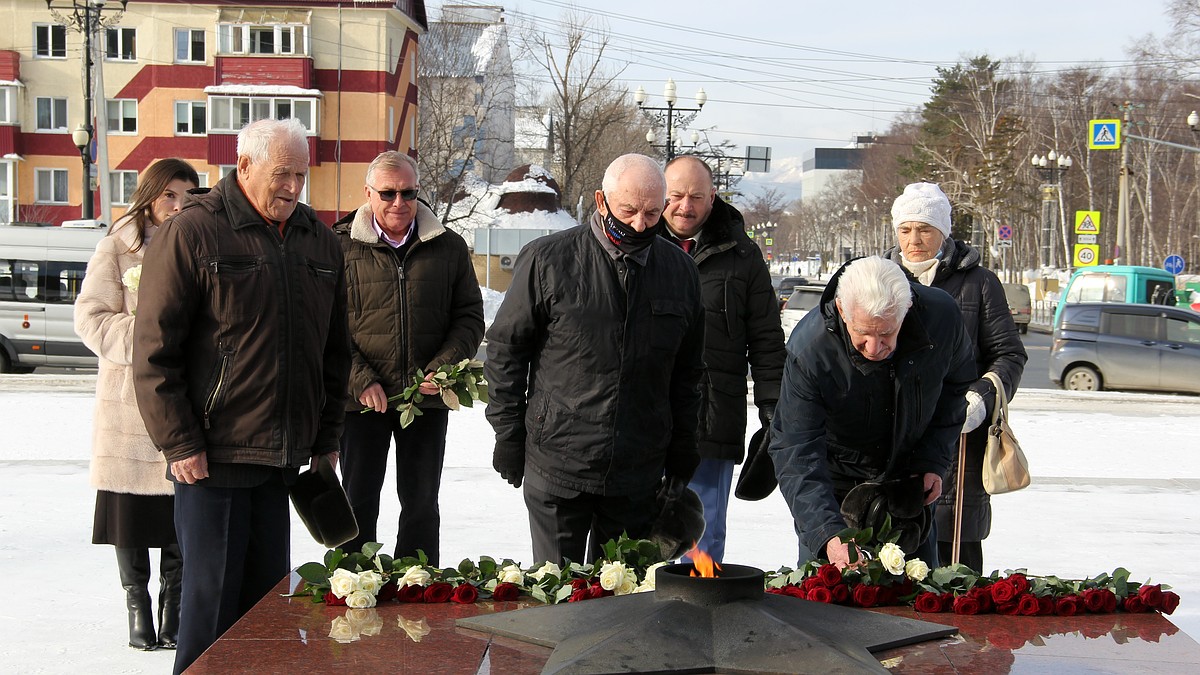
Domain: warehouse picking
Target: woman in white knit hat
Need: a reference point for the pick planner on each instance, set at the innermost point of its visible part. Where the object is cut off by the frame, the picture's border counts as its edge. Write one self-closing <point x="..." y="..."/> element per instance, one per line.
<point x="134" y="499"/>
<point x="921" y="216"/>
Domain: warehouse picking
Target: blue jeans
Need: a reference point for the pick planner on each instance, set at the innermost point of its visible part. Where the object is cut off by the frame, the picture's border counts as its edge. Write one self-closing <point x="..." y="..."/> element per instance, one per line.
<point x="712" y="482"/>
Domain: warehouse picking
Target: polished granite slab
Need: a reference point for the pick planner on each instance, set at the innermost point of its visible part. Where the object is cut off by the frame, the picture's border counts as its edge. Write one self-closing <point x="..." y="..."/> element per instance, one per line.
<point x="293" y="635"/>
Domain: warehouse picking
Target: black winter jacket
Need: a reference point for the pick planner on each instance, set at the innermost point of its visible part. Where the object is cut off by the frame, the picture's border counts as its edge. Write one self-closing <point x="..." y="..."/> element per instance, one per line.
<point x="594" y="365"/>
<point x="741" y="316"/>
<point x="240" y="344"/>
<point x="422" y="311"/>
<point x="998" y="348"/>
<point x="827" y="395"/>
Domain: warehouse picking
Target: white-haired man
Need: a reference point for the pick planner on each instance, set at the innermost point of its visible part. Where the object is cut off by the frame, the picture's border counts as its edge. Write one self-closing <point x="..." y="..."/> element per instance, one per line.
<point x="872" y="391"/>
<point x="240" y="360"/>
<point x="594" y="364"/>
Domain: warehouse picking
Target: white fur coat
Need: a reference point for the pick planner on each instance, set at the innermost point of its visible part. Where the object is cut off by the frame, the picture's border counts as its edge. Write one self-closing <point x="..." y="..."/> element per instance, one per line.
<point x="123" y="457"/>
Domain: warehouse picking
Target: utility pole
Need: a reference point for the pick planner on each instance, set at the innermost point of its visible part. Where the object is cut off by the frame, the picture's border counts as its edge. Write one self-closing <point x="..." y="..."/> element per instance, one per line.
<point x="1122" y="245"/>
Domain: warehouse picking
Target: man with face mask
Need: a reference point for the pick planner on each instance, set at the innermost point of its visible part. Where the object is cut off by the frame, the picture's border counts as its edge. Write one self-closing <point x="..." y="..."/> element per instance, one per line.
<point x="594" y="363"/>
<point x="742" y="331"/>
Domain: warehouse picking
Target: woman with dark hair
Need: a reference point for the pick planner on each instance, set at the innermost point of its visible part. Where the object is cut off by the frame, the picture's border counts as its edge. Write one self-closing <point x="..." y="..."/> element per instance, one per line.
<point x="134" y="502"/>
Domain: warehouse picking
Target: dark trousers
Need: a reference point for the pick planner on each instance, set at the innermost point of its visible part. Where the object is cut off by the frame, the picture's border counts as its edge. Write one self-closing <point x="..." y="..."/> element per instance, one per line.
<point x="420" y="450"/>
<point x="566" y="527"/>
<point x="236" y="546"/>
<point x="970" y="553"/>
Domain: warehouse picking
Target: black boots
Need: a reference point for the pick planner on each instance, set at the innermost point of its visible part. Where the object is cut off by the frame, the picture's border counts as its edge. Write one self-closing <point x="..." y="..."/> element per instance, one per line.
<point x="134" y="566"/>
<point x="170" y="584"/>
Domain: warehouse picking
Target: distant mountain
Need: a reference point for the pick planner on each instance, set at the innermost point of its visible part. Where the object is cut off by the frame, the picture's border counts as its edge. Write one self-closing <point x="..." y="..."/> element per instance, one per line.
<point x="784" y="177"/>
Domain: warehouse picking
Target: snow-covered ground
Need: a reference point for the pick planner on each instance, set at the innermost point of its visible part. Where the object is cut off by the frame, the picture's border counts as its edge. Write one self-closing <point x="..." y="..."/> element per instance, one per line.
<point x="1116" y="483"/>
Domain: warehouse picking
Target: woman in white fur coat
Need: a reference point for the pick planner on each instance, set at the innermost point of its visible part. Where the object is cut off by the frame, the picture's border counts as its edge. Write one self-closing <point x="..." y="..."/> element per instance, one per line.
<point x="134" y="499"/>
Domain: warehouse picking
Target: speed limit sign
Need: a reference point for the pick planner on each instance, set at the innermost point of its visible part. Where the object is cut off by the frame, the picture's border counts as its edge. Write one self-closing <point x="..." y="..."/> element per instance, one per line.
<point x="1086" y="255"/>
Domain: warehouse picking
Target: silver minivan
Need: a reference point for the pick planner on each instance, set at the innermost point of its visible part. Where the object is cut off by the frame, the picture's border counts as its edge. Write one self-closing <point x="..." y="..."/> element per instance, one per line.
<point x="1126" y="346"/>
<point x="41" y="272"/>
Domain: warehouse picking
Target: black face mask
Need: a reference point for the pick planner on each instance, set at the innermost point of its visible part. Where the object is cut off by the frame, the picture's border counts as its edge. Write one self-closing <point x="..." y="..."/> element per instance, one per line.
<point x="625" y="238"/>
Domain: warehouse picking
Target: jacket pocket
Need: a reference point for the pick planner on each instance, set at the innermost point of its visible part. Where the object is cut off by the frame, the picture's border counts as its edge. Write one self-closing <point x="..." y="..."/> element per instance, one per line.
<point x="668" y="325"/>
<point x="239" y="286"/>
<point x="220" y="382"/>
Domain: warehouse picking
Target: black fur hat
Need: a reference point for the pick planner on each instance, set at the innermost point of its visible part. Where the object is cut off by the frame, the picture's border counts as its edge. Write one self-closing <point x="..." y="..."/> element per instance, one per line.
<point x="903" y="499"/>
<point x="322" y="506"/>
<point x="680" y="521"/>
<point x="757" y="479"/>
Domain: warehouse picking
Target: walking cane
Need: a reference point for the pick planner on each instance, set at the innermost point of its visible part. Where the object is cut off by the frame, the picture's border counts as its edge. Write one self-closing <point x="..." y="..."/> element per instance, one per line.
<point x="959" y="479"/>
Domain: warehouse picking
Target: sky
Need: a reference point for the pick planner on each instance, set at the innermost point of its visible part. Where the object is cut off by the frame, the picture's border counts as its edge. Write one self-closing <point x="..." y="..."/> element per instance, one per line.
<point x="797" y="75"/>
<point x="1116" y="482"/>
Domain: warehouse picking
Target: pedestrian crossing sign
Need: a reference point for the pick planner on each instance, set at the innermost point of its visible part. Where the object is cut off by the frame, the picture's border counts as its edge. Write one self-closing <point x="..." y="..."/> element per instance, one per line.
<point x="1104" y="134"/>
<point x="1087" y="222"/>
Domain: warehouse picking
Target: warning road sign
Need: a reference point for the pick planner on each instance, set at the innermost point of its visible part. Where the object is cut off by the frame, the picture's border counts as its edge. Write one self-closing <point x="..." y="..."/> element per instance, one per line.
<point x="1104" y="134"/>
<point x="1087" y="222"/>
<point x="1086" y="255"/>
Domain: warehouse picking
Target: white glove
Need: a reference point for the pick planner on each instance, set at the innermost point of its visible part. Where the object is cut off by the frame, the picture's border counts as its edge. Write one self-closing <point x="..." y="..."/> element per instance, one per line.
<point x="975" y="412"/>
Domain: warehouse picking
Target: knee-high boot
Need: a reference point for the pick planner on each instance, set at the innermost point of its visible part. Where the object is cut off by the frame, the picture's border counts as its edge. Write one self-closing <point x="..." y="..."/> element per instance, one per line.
<point x="134" y="566"/>
<point x="170" y="583"/>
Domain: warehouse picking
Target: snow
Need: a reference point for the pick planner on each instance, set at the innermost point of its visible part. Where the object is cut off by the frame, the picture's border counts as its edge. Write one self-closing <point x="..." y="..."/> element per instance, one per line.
<point x="1116" y="483"/>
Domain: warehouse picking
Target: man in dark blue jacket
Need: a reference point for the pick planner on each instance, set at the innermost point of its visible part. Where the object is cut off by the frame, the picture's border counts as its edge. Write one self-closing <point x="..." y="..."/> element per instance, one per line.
<point x="594" y="365"/>
<point x="872" y="389"/>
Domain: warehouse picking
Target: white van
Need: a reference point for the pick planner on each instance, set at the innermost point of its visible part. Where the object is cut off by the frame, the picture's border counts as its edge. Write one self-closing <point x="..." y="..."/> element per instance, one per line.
<point x="41" y="272"/>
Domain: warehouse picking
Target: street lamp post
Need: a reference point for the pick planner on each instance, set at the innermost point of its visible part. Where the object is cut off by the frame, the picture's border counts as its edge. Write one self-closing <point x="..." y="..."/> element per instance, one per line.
<point x="82" y="137"/>
<point x="1050" y="168"/>
<point x="671" y="115"/>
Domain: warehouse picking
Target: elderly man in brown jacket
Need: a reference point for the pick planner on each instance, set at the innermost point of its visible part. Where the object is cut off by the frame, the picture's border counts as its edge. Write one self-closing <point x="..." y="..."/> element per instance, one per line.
<point x="414" y="304"/>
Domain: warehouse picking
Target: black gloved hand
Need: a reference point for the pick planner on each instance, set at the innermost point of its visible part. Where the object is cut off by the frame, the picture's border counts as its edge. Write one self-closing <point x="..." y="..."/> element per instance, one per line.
<point x="766" y="413"/>
<point x="508" y="459"/>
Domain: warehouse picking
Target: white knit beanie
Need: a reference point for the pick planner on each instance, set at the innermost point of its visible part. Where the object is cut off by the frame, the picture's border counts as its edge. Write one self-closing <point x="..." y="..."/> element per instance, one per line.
<point x="923" y="203"/>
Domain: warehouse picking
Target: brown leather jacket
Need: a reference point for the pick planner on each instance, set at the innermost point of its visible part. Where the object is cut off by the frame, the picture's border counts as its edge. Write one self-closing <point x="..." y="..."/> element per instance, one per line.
<point x="241" y="346"/>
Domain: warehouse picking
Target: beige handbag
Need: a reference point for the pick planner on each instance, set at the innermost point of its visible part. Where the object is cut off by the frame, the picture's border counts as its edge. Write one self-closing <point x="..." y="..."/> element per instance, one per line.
<point x="1005" y="468"/>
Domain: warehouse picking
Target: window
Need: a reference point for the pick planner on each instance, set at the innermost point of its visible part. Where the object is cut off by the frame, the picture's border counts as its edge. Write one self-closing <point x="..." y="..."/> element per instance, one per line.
<point x="189" y="45"/>
<point x="121" y="44"/>
<point x="8" y="105"/>
<point x="1136" y="326"/>
<point x="190" y="117"/>
<point x="231" y="113"/>
<point x="224" y="170"/>
<point x="239" y="38"/>
<point x="203" y="176"/>
<point x="49" y="41"/>
<point x="70" y="281"/>
<point x="1181" y="330"/>
<point x="8" y="200"/>
<point x="51" y="113"/>
<point x="123" y="185"/>
<point x="19" y="280"/>
<point x="122" y="115"/>
<point x="50" y="185"/>
<point x="1097" y="288"/>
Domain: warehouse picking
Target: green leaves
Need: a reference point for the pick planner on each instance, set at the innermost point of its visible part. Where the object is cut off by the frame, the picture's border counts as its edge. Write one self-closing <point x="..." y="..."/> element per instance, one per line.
<point x="458" y="384"/>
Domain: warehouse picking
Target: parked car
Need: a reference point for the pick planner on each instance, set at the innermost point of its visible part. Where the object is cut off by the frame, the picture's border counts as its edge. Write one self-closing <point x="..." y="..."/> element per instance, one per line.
<point x="802" y="299"/>
<point x="1100" y="345"/>
<point x="1118" y="283"/>
<point x="1019" y="304"/>
<point x="785" y="287"/>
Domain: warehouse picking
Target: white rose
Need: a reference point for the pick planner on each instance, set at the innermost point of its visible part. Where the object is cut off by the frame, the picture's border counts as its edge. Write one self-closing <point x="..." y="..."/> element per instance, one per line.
<point x="414" y="576"/>
<point x="612" y="575"/>
<point x="360" y="600"/>
<point x="644" y="588"/>
<point x="548" y="568"/>
<point x="651" y="580"/>
<point x="370" y="581"/>
<point x="511" y="574"/>
<point x="343" y="582"/>
<point x="892" y="557"/>
<point x="628" y="583"/>
<point x="415" y="629"/>
<point x="916" y="569"/>
<point x="342" y="630"/>
<point x="132" y="278"/>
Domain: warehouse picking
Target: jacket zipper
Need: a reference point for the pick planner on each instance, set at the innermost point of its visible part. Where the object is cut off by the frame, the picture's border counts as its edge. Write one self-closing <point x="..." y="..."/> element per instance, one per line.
<point x="216" y="391"/>
<point x="287" y="313"/>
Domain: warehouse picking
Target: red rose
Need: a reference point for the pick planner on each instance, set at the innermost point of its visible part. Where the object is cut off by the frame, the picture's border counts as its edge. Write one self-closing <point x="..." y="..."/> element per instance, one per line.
<point x="966" y="604"/>
<point x="579" y="594"/>
<point x="794" y="591"/>
<point x="1151" y="595"/>
<point x="841" y="593"/>
<point x="928" y="602"/>
<point x="1068" y="605"/>
<point x="505" y="592"/>
<point x="829" y="575"/>
<point x="577" y="584"/>
<point x="438" y="592"/>
<point x="820" y="594"/>
<point x="465" y="594"/>
<point x="1003" y="591"/>
<point x="1097" y="600"/>
<point x="597" y="591"/>
<point x="331" y="599"/>
<point x="778" y="591"/>
<point x="1134" y="605"/>
<point x="810" y="583"/>
<point x="887" y="595"/>
<point x="388" y="592"/>
<point x="1027" y="605"/>
<point x="983" y="597"/>
<point x="947" y="601"/>
<point x="1170" y="600"/>
<point x="1009" y="608"/>
<point x="1046" y="605"/>
<point x="865" y="595"/>
<point x="1019" y="582"/>
<point x="411" y="593"/>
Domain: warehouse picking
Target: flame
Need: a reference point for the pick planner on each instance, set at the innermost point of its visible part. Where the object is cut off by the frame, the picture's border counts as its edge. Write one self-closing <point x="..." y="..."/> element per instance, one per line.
<point x="703" y="564"/>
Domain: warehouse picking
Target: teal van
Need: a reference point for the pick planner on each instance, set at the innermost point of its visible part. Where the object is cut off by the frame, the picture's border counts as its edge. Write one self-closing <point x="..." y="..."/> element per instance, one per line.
<point x="1118" y="283"/>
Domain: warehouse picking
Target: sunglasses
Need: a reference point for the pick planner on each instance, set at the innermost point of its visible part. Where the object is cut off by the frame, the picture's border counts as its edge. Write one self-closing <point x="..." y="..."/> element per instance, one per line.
<point x="407" y="194"/>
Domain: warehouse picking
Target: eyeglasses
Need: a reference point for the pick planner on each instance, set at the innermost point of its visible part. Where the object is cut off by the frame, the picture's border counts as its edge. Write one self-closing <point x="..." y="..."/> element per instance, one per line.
<point x="407" y="194"/>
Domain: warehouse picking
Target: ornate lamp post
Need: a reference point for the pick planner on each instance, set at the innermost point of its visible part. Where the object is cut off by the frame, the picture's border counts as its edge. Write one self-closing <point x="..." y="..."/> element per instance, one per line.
<point x="82" y="137"/>
<point x="670" y="116"/>
<point x="1050" y="169"/>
